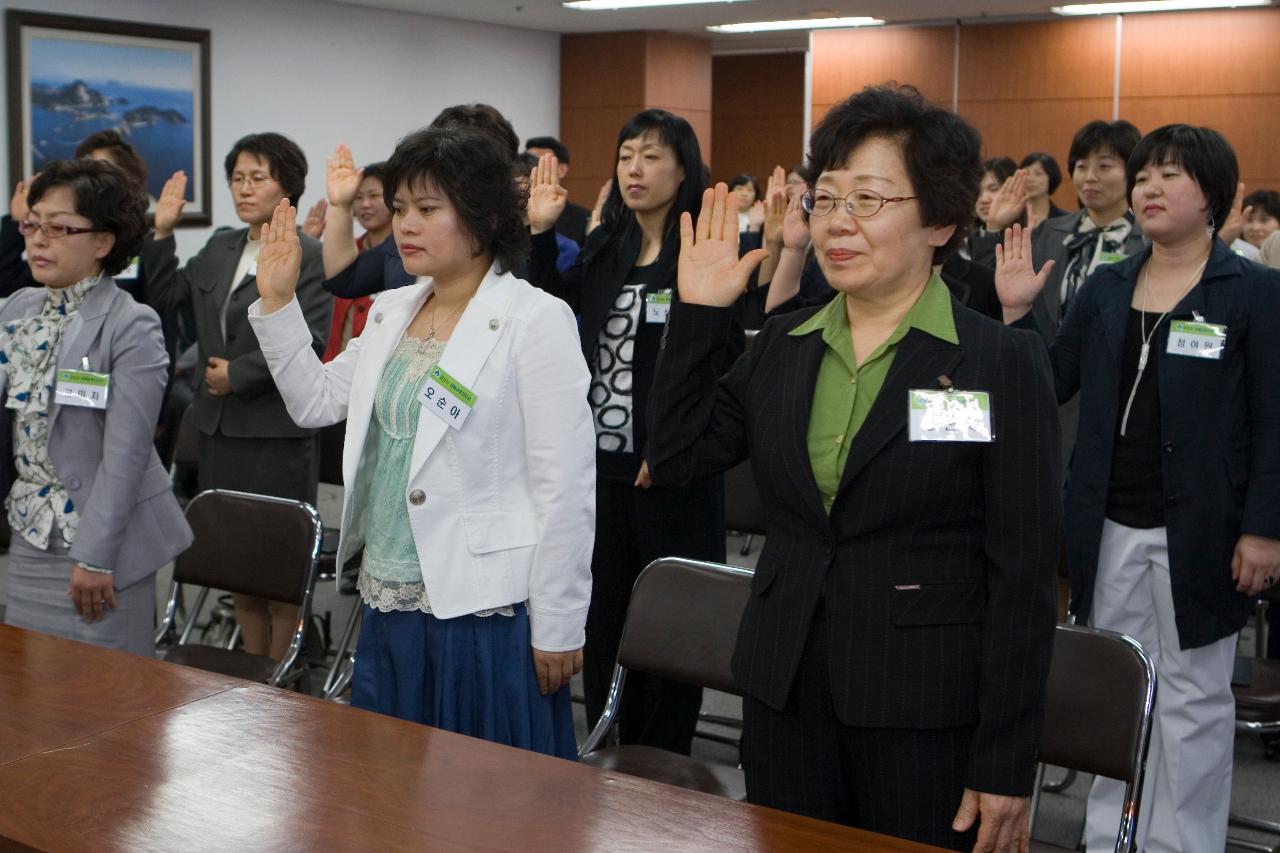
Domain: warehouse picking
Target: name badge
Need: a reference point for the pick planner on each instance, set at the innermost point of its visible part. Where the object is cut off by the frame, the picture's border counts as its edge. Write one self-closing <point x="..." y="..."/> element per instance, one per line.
<point x="446" y="398"/>
<point x="1109" y="258"/>
<point x="82" y="388"/>
<point x="657" y="307"/>
<point x="949" y="416"/>
<point x="130" y="271"/>
<point x="1196" y="339"/>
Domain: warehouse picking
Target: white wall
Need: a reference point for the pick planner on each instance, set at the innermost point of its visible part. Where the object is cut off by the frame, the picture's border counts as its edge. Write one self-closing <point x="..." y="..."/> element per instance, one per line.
<point x="326" y="73"/>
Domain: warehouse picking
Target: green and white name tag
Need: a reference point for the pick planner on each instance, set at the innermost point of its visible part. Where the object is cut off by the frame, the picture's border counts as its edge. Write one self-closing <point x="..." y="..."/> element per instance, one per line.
<point x="934" y="415"/>
<point x="446" y="398"/>
<point x="82" y="388"/>
<point x="130" y="271"/>
<point x="1196" y="339"/>
<point x="657" y="307"/>
<point x="1109" y="258"/>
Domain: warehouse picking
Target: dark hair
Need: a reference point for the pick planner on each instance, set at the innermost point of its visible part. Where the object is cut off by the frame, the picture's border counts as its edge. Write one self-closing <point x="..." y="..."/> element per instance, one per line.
<point x="1098" y="135"/>
<point x="1264" y="201"/>
<point x="555" y="146"/>
<point x="105" y="195"/>
<point x="525" y="163"/>
<point x="1202" y="153"/>
<point x="472" y="168"/>
<point x="1002" y="167"/>
<point x="285" y="161"/>
<point x="481" y="117"/>
<point x="677" y="134"/>
<point x="940" y="151"/>
<point x="122" y="153"/>
<point x="1050" y="166"/>
<point x="742" y="179"/>
<point x="376" y="171"/>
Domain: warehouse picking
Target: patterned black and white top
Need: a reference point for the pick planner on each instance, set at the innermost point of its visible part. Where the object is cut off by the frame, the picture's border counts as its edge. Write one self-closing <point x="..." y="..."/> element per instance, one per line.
<point x="612" y="373"/>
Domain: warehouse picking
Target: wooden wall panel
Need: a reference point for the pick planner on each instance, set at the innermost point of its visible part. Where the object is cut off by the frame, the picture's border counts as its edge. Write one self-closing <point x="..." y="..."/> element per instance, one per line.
<point x="1215" y="69"/>
<point x="757" y="114"/>
<point x="678" y="79"/>
<point x="845" y="61"/>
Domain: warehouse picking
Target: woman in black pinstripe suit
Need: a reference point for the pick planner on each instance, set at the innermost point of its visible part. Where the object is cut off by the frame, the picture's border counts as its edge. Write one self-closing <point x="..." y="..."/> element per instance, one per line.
<point x="893" y="653"/>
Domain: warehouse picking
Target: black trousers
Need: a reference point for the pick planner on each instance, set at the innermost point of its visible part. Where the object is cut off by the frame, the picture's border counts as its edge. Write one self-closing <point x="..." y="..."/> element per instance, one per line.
<point x="634" y="527"/>
<point x="906" y="783"/>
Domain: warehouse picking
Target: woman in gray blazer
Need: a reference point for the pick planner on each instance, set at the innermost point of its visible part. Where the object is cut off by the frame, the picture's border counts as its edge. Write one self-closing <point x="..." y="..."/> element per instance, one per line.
<point x="247" y="440"/>
<point x="82" y="371"/>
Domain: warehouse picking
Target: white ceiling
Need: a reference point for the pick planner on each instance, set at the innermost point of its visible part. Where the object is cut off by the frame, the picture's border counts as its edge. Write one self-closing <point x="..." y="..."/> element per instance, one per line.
<point x="693" y="19"/>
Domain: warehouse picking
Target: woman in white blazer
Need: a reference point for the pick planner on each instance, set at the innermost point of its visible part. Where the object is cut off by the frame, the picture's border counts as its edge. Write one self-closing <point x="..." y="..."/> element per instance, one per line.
<point x="469" y="459"/>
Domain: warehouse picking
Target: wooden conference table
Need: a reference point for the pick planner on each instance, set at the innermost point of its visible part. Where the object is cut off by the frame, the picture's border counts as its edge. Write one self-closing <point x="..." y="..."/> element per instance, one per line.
<point x="103" y="751"/>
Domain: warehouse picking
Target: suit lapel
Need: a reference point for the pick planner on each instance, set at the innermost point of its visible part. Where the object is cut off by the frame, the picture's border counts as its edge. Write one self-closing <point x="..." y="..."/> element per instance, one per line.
<point x="919" y="361"/>
<point x="81" y="333"/>
<point x="473" y="339"/>
<point x="797" y="397"/>
<point x="1113" y="309"/>
<point x="222" y="275"/>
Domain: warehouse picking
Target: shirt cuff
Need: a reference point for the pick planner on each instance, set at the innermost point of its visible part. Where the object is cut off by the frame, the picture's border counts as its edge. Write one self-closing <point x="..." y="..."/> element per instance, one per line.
<point x="95" y="569"/>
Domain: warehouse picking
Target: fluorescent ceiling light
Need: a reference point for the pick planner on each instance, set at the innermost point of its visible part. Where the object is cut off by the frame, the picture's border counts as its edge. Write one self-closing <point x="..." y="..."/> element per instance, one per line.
<point x="801" y="24"/>
<point x="614" y="5"/>
<point x="1152" y="6"/>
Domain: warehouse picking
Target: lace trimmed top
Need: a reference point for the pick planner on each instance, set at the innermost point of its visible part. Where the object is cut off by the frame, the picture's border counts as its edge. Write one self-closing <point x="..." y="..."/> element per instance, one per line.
<point x="391" y="577"/>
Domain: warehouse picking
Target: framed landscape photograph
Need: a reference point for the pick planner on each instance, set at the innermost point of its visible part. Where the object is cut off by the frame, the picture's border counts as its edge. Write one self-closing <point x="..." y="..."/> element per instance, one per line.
<point x="70" y="77"/>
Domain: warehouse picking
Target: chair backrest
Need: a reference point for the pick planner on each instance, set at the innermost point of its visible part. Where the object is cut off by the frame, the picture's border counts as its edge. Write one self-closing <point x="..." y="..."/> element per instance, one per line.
<point x="743" y="510"/>
<point x="331" y="440"/>
<point x="186" y="447"/>
<point x="1098" y="704"/>
<point x="683" y="621"/>
<point x="251" y="544"/>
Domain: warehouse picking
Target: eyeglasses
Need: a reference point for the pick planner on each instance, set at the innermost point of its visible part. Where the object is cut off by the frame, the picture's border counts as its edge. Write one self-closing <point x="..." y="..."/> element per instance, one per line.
<point x="251" y="181"/>
<point x="52" y="230"/>
<point x="859" y="203"/>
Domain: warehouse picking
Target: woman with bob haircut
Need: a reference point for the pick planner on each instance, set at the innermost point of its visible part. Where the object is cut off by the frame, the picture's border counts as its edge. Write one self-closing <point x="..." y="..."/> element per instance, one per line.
<point x="247" y="440"/>
<point x="893" y="652"/>
<point x="1173" y="494"/>
<point x="622" y="286"/>
<point x="82" y="368"/>
<point x="468" y="457"/>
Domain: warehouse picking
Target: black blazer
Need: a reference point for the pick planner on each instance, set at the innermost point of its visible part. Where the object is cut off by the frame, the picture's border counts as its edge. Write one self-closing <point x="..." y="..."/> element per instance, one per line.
<point x="592" y="284"/>
<point x="1219" y="427"/>
<point x="372" y="272"/>
<point x="255" y="409"/>
<point x="573" y="223"/>
<point x="937" y="562"/>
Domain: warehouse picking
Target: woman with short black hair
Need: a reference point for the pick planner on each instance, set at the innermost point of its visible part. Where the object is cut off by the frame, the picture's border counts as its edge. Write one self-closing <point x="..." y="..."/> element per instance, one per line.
<point x="248" y="443"/>
<point x="468" y="459"/>
<point x="893" y="652"/>
<point x="1044" y="176"/>
<point x="83" y="367"/>
<point x="1173" y="495"/>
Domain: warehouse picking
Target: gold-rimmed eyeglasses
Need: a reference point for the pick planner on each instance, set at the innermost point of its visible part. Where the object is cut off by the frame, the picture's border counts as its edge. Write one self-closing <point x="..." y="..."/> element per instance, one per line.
<point x="859" y="203"/>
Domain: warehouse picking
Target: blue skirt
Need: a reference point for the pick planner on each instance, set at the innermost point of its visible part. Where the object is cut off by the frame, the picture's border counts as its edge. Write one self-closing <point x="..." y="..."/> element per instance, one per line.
<point x="471" y="675"/>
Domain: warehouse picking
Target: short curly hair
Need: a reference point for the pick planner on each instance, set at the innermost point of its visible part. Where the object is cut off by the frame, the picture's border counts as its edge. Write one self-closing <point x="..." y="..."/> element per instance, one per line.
<point x="285" y="161"/>
<point x="474" y="170"/>
<point x="104" y="194"/>
<point x="941" y="152"/>
<point x="122" y="153"/>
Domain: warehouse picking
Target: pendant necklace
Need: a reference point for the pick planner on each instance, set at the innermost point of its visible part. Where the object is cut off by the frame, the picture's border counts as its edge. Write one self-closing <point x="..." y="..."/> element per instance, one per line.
<point x="1145" y="352"/>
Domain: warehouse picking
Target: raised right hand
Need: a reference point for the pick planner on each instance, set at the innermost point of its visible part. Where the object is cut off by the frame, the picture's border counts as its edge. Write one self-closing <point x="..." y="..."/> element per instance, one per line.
<point x="709" y="270"/>
<point x="169" y="205"/>
<point x="279" y="259"/>
<point x="795" y="228"/>
<point x="342" y="178"/>
<point x="1017" y="282"/>
<point x="18" y="209"/>
<point x="597" y="212"/>
<point x="1009" y="203"/>
<point x="775" y="206"/>
<point x="547" y="199"/>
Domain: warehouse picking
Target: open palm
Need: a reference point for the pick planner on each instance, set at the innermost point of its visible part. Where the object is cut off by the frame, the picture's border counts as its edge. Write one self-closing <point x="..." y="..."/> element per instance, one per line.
<point x="342" y="178"/>
<point x="710" y="271"/>
<point x="280" y="258"/>
<point x="1017" y="281"/>
<point x="547" y="199"/>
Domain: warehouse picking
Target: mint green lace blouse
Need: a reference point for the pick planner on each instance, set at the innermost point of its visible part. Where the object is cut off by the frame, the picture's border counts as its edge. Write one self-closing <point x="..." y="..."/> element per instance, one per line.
<point x="391" y="577"/>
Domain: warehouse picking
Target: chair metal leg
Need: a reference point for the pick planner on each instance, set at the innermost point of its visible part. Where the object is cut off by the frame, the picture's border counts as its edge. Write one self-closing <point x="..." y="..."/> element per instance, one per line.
<point x="234" y="638"/>
<point x="1256" y="823"/>
<point x="1241" y="844"/>
<point x="1061" y="785"/>
<point x="746" y="546"/>
<point x="193" y="615"/>
<point x="339" y="675"/>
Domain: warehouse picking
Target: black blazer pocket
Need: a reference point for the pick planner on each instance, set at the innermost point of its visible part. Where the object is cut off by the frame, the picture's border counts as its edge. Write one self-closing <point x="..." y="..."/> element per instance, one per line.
<point x="942" y="603"/>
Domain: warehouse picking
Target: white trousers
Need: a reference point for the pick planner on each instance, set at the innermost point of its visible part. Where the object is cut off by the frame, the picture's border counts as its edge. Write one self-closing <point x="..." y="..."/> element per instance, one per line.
<point x="1187" y="794"/>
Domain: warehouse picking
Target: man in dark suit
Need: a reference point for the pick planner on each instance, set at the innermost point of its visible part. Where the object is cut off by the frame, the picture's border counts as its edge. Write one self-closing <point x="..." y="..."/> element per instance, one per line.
<point x="573" y="222"/>
<point x="893" y="652"/>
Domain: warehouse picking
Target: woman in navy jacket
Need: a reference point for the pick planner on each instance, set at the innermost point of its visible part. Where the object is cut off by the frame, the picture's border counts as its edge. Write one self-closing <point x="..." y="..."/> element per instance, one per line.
<point x="1172" y="504"/>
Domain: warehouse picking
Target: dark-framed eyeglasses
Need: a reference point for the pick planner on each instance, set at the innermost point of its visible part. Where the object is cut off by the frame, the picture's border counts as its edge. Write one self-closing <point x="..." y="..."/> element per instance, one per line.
<point x="859" y="203"/>
<point x="52" y="230"/>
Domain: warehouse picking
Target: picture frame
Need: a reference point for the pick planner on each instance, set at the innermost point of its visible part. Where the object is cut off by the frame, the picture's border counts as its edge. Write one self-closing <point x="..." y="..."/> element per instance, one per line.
<point x="70" y="76"/>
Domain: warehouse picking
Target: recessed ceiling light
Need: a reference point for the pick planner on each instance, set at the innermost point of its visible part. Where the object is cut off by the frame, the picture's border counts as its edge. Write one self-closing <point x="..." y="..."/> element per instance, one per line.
<point x="1152" y="6"/>
<point x="801" y="24"/>
<point x="614" y="5"/>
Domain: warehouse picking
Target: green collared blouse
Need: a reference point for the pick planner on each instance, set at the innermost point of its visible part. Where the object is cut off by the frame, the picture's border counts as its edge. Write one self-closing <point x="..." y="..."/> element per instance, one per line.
<point x="844" y="391"/>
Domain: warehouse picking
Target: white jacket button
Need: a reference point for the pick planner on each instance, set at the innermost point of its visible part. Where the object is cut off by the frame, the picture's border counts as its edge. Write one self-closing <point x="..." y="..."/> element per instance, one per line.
<point x="417" y="497"/>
